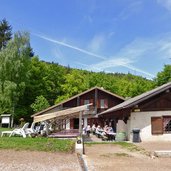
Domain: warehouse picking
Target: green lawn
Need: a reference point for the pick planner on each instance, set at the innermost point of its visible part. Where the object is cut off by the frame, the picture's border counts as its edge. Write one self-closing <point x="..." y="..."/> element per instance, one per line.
<point x="37" y="144"/>
<point x="5" y="129"/>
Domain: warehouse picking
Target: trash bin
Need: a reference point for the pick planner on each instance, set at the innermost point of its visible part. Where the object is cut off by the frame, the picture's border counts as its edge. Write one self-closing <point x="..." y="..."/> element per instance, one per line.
<point x="136" y="135"/>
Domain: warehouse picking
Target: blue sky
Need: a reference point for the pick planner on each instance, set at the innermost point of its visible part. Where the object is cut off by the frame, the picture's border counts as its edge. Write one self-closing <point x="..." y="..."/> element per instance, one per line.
<point x="99" y="35"/>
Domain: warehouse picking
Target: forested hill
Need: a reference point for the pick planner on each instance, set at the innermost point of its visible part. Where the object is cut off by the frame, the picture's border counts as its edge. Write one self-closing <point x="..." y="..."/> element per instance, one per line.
<point x="56" y="83"/>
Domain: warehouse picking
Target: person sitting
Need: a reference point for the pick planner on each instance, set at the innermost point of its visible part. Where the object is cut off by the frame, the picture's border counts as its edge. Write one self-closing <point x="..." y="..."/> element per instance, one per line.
<point x="105" y="128"/>
<point x="111" y="134"/>
<point x="84" y="130"/>
<point x="88" y="129"/>
<point x="99" y="131"/>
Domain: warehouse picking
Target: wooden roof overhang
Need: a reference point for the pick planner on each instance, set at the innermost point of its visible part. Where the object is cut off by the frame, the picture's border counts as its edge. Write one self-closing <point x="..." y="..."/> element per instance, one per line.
<point x="133" y="102"/>
<point x="63" y="114"/>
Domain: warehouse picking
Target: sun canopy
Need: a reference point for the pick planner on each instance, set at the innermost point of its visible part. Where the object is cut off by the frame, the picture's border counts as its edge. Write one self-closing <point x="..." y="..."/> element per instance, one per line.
<point x="75" y="111"/>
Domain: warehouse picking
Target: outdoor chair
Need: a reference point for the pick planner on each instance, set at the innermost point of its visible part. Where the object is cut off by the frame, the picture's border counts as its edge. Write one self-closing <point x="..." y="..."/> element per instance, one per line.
<point x="32" y="129"/>
<point x="20" y="131"/>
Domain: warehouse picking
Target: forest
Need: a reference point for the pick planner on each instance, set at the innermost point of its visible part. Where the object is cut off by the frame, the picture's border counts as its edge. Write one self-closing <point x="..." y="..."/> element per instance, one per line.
<point x="28" y="85"/>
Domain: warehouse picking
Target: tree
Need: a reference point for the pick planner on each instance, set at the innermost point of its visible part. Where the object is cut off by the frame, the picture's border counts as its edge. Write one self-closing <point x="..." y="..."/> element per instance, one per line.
<point x="40" y="104"/>
<point x="75" y="82"/>
<point x="164" y="76"/>
<point x="14" y="67"/>
<point x="5" y="33"/>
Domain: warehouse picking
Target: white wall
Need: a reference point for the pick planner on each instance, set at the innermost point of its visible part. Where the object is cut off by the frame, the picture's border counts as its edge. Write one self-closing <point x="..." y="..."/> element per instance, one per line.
<point x="142" y="120"/>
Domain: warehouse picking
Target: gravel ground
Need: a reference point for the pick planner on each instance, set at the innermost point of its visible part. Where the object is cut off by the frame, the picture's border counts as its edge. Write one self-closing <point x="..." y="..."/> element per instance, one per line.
<point x="11" y="160"/>
<point x="154" y="146"/>
<point x="105" y="157"/>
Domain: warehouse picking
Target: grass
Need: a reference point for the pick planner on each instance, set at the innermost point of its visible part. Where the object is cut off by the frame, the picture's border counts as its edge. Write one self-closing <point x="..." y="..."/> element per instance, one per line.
<point x="5" y="129"/>
<point x="37" y="144"/>
<point x="126" y="145"/>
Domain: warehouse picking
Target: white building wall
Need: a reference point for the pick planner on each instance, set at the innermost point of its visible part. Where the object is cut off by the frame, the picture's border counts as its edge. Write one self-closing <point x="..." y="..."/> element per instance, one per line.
<point x="142" y="120"/>
<point x="128" y="128"/>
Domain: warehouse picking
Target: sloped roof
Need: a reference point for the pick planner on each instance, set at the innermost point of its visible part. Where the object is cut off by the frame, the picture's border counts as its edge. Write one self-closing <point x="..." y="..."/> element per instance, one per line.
<point x="52" y="107"/>
<point x="137" y="99"/>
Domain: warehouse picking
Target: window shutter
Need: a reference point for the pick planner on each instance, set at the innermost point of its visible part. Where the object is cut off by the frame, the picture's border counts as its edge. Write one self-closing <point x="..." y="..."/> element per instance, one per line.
<point x="98" y="103"/>
<point x="156" y="125"/>
<point x="92" y="101"/>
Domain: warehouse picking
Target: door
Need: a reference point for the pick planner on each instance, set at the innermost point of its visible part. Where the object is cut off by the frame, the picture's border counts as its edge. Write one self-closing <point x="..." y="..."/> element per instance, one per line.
<point x="76" y="123"/>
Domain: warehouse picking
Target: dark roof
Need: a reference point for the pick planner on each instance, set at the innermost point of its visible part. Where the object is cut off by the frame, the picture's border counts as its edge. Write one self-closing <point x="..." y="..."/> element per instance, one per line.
<point x="137" y="99"/>
<point x="52" y="107"/>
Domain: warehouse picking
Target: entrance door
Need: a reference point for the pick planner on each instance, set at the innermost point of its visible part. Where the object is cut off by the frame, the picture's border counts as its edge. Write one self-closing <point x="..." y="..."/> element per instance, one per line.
<point x="76" y="123"/>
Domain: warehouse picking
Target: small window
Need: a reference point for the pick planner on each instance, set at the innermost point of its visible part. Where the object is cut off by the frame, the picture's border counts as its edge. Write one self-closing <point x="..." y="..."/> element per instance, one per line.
<point x="86" y="102"/>
<point x="167" y="124"/>
<point x="103" y="103"/>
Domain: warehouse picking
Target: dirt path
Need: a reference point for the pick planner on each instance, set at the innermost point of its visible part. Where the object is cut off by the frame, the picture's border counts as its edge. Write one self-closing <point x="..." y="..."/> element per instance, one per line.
<point x="110" y="157"/>
<point x="11" y="160"/>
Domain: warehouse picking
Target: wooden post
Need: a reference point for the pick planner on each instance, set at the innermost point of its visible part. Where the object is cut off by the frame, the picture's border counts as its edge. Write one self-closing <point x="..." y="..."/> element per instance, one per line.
<point x="96" y="100"/>
<point x="80" y="123"/>
<point x="78" y="101"/>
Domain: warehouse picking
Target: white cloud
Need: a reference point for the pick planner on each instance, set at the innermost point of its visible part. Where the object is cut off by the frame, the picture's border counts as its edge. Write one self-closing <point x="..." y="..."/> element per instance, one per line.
<point x="116" y="62"/>
<point x="125" y="58"/>
<point x="165" y="3"/>
<point x="69" y="46"/>
<point x="97" y="42"/>
<point x="57" y="53"/>
<point x="151" y="49"/>
<point x="130" y="9"/>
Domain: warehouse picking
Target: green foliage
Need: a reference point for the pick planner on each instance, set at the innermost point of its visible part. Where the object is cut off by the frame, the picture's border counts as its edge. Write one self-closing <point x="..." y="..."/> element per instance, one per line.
<point x="164" y="76"/>
<point x="37" y="144"/>
<point x="5" y="33"/>
<point x="40" y="104"/>
<point x="75" y="82"/>
<point x="14" y="66"/>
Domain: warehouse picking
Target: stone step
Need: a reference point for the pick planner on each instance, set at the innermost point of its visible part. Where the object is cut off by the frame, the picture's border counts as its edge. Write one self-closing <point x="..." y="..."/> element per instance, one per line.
<point x="162" y="153"/>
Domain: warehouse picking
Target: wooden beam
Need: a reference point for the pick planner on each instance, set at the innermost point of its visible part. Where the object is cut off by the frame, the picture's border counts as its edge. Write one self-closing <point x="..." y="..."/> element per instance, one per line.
<point x="80" y="123"/>
<point x="96" y="98"/>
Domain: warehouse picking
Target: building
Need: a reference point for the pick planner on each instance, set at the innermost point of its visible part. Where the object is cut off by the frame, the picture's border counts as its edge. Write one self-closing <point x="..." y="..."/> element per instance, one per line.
<point x="100" y="99"/>
<point x="150" y="112"/>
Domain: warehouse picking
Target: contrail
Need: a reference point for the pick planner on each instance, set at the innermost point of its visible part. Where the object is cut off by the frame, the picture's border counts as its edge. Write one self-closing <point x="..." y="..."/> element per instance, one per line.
<point x="92" y="54"/>
<point x="69" y="46"/>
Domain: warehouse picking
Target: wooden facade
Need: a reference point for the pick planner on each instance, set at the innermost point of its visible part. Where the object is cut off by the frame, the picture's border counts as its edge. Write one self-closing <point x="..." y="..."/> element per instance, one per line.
<point x="100" y="99"/>
<point x="158" y="102"/>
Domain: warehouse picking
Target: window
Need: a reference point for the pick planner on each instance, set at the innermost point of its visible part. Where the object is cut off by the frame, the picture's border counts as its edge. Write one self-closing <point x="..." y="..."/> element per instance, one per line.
<point x="103" y="103"/>
<point x="160" y="125"/>
<point x="167" y="124"/>
<point x="86" y="102"/>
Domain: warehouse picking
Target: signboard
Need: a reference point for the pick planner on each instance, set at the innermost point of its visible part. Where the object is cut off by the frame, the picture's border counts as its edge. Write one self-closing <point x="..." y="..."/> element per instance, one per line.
<point x="5" y="120"/>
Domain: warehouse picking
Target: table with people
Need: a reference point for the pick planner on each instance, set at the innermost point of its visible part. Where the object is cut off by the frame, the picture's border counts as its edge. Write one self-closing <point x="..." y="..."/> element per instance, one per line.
<point x="106" y="133"/>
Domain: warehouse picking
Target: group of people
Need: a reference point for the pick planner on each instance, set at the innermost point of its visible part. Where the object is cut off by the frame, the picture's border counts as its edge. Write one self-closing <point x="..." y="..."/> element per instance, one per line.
<point x="106" y="132"/>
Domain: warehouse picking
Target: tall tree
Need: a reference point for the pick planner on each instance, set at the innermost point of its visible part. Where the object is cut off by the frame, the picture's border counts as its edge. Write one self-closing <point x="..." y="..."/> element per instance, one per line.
<point x="40" y="103"/>
<point x="14" y="67"/>
<point x="164" y="76"/>
<point x="5" y="33"/>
